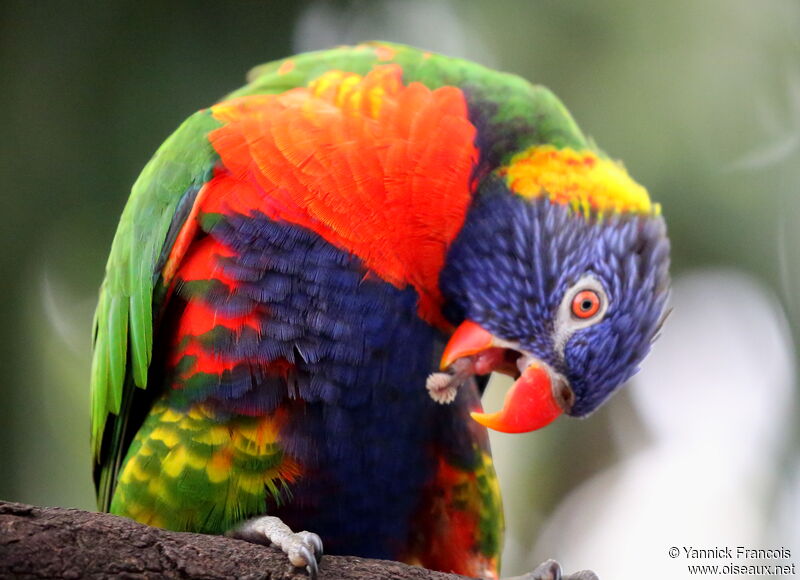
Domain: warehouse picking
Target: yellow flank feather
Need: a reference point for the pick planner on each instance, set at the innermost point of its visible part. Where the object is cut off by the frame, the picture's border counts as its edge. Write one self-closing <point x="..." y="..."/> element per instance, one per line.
<point x="167" y="435"/>
<point x="580" y="179"/>
<point x="175" y="461"/>
<point x="252" y="484"/>
<point x="157" y="488"/>
<point x="133" y="472"/>
<point x="179" y="456"/>
<point x="150" y="518"/>
<point x="219" y="467"/>
<point x="170" y="416"/>
<point x="215" y="435"/>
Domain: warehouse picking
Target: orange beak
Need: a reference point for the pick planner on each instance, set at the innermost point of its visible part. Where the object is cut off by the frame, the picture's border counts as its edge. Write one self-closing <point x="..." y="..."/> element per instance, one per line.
<point x="531" y="403"/>
<point x="467" y="340"/>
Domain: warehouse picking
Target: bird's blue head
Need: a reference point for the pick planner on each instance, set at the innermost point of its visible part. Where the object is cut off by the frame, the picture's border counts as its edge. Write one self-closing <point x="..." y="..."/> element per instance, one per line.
<point x="559" y="277"/>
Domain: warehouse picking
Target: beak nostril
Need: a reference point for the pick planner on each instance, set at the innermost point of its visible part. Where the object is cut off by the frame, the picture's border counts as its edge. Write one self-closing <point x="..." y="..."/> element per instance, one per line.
<point x="563" y="394"/>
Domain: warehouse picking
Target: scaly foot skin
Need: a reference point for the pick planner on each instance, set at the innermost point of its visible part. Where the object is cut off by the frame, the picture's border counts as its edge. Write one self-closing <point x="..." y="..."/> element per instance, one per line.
<point x="304" y="549"/>
<point x="551" y="570"/>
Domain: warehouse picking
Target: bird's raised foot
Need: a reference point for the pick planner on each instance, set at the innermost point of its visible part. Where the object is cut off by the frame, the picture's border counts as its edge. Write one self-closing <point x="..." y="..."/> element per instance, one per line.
<point x="551" y="570"/>
<point x="304" y="549"/>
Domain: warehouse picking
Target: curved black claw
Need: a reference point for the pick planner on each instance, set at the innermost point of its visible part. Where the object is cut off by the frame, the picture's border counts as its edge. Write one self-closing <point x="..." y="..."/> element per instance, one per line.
<point x="314" y="541"/>
<point x="551" y="570"/>
<point x="312" y="567"/>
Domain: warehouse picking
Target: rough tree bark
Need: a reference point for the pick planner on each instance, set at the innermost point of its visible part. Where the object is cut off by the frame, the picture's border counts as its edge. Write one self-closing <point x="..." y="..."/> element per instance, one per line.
<point x="40" y="542"/>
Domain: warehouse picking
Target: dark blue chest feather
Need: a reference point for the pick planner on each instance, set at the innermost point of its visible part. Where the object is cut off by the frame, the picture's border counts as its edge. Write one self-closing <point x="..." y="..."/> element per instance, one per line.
<point x="360" y="420"/>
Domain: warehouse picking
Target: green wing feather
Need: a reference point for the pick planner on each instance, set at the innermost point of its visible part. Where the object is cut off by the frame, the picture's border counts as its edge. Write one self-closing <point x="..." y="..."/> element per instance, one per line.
<point x="123" y="327"/>
<point x="133" y="291"/>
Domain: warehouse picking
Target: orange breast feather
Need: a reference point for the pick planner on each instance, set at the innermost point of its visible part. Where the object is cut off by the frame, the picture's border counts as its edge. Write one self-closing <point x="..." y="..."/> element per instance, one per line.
<point x="373" y="166"/>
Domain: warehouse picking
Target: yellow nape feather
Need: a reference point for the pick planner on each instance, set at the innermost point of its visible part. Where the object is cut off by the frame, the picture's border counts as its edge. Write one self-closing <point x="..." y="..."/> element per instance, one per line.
<point x="581" y="179"/>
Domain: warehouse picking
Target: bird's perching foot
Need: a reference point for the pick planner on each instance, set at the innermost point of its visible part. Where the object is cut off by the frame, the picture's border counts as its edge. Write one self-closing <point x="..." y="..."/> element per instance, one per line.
<point x="551" y="570"/>
<point x="304" y="549"/>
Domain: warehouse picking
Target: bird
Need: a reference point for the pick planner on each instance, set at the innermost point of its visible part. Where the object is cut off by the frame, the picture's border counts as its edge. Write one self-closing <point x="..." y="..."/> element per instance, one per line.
<point x="314" y="277"/>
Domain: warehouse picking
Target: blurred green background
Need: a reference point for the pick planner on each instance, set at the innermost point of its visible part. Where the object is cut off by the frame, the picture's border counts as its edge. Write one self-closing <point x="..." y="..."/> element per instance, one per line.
<point x="700" y="98"/>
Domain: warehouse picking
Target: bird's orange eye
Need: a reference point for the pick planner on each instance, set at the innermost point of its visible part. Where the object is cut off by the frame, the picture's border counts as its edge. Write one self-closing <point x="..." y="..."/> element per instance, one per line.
<point x="585" y="304"/>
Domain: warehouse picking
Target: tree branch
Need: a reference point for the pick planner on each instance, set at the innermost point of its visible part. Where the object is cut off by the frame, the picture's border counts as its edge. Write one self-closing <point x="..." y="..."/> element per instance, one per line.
<point x="40" y="542"/>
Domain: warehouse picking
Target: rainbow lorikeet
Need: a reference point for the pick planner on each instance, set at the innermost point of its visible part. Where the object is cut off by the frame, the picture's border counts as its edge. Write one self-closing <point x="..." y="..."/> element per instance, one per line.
<point x="312" y="278"/>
